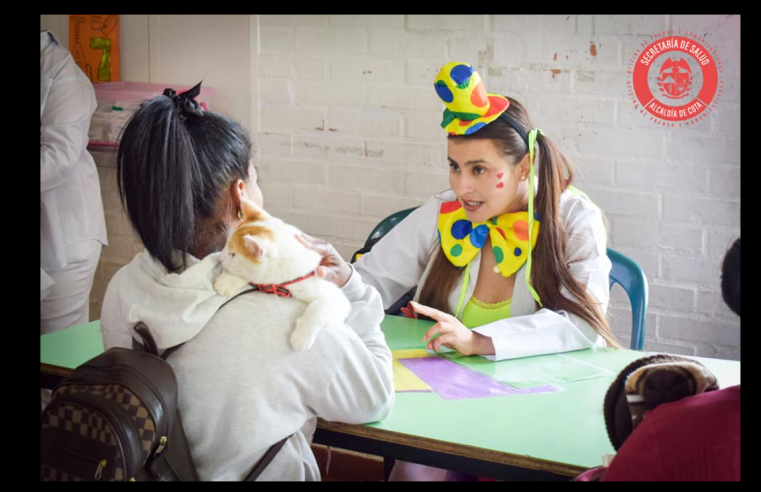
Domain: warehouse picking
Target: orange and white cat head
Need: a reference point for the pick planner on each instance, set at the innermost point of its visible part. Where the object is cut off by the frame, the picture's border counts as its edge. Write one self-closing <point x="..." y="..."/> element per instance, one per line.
<point x="264" y="249"/>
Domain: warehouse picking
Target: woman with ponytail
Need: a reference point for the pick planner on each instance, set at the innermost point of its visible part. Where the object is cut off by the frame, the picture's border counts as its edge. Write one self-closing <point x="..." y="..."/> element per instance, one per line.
<point x="185" y="177"/>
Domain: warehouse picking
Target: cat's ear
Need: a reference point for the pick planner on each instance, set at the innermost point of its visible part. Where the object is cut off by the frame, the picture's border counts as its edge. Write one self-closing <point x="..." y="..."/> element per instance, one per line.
<point x="251" y="210"/>
<point x="259" y="247"/>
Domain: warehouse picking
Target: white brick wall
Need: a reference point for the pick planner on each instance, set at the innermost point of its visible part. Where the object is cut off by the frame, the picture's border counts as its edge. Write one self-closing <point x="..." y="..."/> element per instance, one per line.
<point x="684" y="240"/>
<point x="704" y="211"/>
<point x="558" y="25"/>
<point x="473" y="23"/>
<point x="347" y="128"/>
<point x="623" y="24"/>
<point x="352" y="121"/>
<point x="661" y="175"/>
<point x="367" y="20"/>
<point x="325" y="93"/>
<point x="402" y="44"/>
<point x="309" y="66"/>
<point x="367" y="69"/>
<point x="402" y="98"/>
<point x="692" y="270"/>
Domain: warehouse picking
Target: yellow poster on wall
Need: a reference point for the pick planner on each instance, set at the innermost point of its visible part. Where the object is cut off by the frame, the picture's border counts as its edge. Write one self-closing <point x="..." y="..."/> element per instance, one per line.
<point x="94" y="44"/>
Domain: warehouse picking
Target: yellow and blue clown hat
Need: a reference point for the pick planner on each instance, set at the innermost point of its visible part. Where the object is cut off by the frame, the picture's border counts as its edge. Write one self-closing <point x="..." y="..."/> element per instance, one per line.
<point x="468" y="106"/>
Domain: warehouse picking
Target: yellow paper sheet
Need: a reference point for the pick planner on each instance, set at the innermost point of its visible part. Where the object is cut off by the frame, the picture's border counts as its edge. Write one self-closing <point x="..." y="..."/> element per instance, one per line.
<point x="404" y="379"/>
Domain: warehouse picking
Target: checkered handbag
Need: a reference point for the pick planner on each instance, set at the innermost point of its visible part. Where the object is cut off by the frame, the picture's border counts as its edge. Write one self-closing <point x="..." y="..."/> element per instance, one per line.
<point x="112" y="419"/>
<point x="115" y="418"/>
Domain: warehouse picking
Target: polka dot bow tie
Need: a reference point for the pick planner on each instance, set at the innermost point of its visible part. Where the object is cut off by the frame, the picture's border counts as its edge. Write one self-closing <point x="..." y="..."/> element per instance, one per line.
<point x="461" y="240"/>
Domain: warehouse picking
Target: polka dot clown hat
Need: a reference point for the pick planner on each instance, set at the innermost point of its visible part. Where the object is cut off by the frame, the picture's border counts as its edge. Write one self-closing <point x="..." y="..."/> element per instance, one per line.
<point x="469" y="106"/>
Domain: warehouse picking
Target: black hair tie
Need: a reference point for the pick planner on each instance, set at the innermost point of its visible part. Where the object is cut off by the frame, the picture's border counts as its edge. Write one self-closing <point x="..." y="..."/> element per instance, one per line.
<point x="185" y="101"/>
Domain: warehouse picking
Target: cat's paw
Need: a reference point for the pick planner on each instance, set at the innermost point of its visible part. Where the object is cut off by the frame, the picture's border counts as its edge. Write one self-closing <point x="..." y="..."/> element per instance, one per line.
<point x="227" y="284"/>
<point x="305" y="333"/>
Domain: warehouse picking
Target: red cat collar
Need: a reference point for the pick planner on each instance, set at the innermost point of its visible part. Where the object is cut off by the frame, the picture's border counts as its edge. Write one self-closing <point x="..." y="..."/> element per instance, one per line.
<point x="279" y="289"/>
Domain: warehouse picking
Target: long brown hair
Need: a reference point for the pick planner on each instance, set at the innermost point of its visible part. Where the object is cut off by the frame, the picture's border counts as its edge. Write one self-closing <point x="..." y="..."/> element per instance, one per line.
<point x="549" y="271"/>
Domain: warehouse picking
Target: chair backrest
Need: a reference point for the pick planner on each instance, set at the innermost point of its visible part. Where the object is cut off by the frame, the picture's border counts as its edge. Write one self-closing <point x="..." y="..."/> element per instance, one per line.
<point x="387" y="224"/>
<point x="630" y="276"/>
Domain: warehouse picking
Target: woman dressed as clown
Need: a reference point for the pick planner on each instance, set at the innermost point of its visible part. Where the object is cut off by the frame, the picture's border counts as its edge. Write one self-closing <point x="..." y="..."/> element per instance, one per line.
<point x="511" y="261"/>
<point x="506" y="269"/>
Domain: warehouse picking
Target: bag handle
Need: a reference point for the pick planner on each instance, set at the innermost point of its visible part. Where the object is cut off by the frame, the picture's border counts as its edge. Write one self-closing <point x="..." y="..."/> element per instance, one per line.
<point x="265" y="460"/>
<point x="149" y="343"/>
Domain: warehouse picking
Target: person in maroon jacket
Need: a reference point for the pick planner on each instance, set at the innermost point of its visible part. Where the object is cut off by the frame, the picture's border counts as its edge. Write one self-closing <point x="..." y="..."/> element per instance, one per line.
<point x="667" y="437"/>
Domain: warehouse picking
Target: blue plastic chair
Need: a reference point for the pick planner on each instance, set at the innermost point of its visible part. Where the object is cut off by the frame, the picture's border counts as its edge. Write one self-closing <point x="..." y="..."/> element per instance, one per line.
<point x="630" y="276"/>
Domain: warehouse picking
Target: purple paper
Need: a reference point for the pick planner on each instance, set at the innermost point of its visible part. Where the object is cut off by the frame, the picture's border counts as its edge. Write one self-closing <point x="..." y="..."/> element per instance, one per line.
<point x="454" y="382"/>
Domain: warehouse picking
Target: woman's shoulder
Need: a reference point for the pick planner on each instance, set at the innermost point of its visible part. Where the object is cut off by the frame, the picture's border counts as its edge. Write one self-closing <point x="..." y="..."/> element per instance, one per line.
<point x="578" y="210"/>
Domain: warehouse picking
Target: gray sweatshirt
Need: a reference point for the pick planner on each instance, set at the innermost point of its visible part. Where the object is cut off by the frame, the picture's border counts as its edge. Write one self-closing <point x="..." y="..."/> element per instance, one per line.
<point x="241" y="387"/>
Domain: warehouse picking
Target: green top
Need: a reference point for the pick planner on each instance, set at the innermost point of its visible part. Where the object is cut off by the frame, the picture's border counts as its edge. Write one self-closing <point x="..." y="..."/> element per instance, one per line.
<point x="478" y="313"/>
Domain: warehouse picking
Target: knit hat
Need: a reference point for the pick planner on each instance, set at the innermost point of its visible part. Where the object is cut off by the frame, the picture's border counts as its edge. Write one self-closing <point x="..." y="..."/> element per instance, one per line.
<point x="646" y="383"/>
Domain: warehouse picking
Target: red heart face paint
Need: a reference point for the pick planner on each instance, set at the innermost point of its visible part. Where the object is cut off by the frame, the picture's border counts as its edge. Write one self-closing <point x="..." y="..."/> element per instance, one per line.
<point x="474" y="165"/>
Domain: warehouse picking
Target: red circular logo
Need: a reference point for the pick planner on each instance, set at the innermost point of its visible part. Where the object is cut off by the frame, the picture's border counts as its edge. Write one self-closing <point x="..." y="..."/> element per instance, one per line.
<point x="675" y="79"/>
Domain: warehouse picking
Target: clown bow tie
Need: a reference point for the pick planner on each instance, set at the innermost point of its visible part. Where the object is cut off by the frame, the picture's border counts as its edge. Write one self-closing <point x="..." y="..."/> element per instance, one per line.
<point x="461" y="239"/>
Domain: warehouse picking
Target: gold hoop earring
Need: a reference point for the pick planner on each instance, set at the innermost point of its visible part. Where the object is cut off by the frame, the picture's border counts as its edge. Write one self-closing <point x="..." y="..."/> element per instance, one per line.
<point x="240" y="215"/>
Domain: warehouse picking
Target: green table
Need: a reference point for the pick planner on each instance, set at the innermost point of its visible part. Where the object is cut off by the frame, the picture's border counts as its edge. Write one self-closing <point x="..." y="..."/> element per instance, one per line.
<point x="543" y="436"/>
<point x="536" y="436"/>
<point x="62" y="351"/>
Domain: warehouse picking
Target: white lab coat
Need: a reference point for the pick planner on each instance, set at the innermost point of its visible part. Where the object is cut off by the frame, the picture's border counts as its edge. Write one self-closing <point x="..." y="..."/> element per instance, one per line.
<point x="401" y="260"/>
<point x="71" y="208"/>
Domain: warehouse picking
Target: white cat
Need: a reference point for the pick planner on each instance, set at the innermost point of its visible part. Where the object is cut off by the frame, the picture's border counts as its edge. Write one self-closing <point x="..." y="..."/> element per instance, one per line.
<point x="264" y="251"/>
